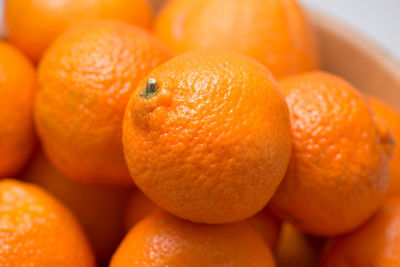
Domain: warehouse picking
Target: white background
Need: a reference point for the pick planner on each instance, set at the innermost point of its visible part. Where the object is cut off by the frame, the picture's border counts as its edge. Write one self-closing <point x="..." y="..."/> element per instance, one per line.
<point x="377" y="19"/>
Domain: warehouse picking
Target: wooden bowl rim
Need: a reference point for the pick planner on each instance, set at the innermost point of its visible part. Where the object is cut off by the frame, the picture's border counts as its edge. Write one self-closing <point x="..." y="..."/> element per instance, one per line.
<point x="356" y="39"/>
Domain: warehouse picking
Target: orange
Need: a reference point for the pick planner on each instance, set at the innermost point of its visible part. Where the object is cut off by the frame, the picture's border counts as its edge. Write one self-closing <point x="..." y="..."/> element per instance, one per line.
<point x="275" y="32"/>
<point x="391" y="116"/>
<point x="37" y="230"/>
<point x="99" y="209"/>
<point x="138" y="207"/>
<point x="17" y="88"/>
<point x="85" y="81"/>
<point x="164" y="240"/>
<point x="264" y="222"/>
<point x="32" y="25"/>
<point x="266" y="225"/>
<point x="208" y="138"/>
<point x="376" y="243"/>
<point x="338" y="172"/>
<point x="294" y="248"/>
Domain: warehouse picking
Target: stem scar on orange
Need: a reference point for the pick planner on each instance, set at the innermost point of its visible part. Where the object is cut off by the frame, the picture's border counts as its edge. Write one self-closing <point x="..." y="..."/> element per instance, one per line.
<point x="151" y="88"/>
<point x="208" y="139"/>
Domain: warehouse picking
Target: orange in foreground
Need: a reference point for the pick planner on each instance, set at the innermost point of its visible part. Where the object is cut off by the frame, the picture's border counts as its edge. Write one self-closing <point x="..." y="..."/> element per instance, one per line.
<point x="207" y="136"/>
<point x="99" y="209"/>
<point x="376" y="243"/>
<point x="37" y="230"/>
<point x="17" y="89"/>
<point x="391" y="117"/>
<point x="264" y="222"/>
<point x="164" y="240"/>
<point x="338" y="172"/>
<point x="32" y="25"/>
<point x="274" y="32"/>
<point x="86" y="79"/>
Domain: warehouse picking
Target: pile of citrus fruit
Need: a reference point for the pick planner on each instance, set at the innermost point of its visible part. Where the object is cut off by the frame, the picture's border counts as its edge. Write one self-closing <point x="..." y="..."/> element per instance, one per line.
<point x="202" y="133"/>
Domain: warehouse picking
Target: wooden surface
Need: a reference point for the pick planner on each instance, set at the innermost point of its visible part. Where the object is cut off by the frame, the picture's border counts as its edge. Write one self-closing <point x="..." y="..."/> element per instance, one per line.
<point x="357" y="59"/>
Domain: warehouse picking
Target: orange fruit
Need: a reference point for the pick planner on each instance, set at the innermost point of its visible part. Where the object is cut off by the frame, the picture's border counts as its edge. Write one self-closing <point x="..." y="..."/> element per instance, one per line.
<point x="391" y="116"/>
<point x="37" y="230"/>
<point x="294" y="248"/>
<point x="17" y="89"/>
<point x="85" y="81"/>
<point x="266" y="225"/>
<point x="338" y="172"/>
<point x="201" y="139"/>
<point x="33" y="25"/>
<point x="376" y="243"/>
<point x="164" y="240"/>
<point x="138" y="207"/>
<point x="275" y="32"/>
<point x="99" y="209"/>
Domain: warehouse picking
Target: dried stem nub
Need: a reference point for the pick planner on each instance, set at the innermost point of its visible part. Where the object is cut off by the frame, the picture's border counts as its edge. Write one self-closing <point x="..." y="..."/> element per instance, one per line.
<point x="151" y="88"/>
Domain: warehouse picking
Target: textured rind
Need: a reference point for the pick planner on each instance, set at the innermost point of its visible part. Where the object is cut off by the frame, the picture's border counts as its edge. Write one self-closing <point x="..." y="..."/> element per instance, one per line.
<point x="275" y="32"/>
<point x="338" y="171"/>
<point x="36" y="230"/>
<point x="376" y="243"/>
<point x="17" y="88"/>
<point x="164" y="240"/>
<point x="86" y="79"/>
<point x="265" y="223"/>
<point x="213" y="144"/>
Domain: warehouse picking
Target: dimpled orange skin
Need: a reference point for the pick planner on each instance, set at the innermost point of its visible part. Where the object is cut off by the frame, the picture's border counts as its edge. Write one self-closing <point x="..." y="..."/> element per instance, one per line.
<point x="264" y="222"/>
<point x="213" y="143"/>
<point x="391" y="116"/>
<point x="164" y="240"/>
<point x="338" y="172"/>
<point x="99" y="209"/>
<point x="17" y="89"/>
<point x="33" y="25"/>
<point x="275" y="32"/>
<point x="376" y="243"/>
<point x="85" y="80"/>
<point x="37" y="230"/>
